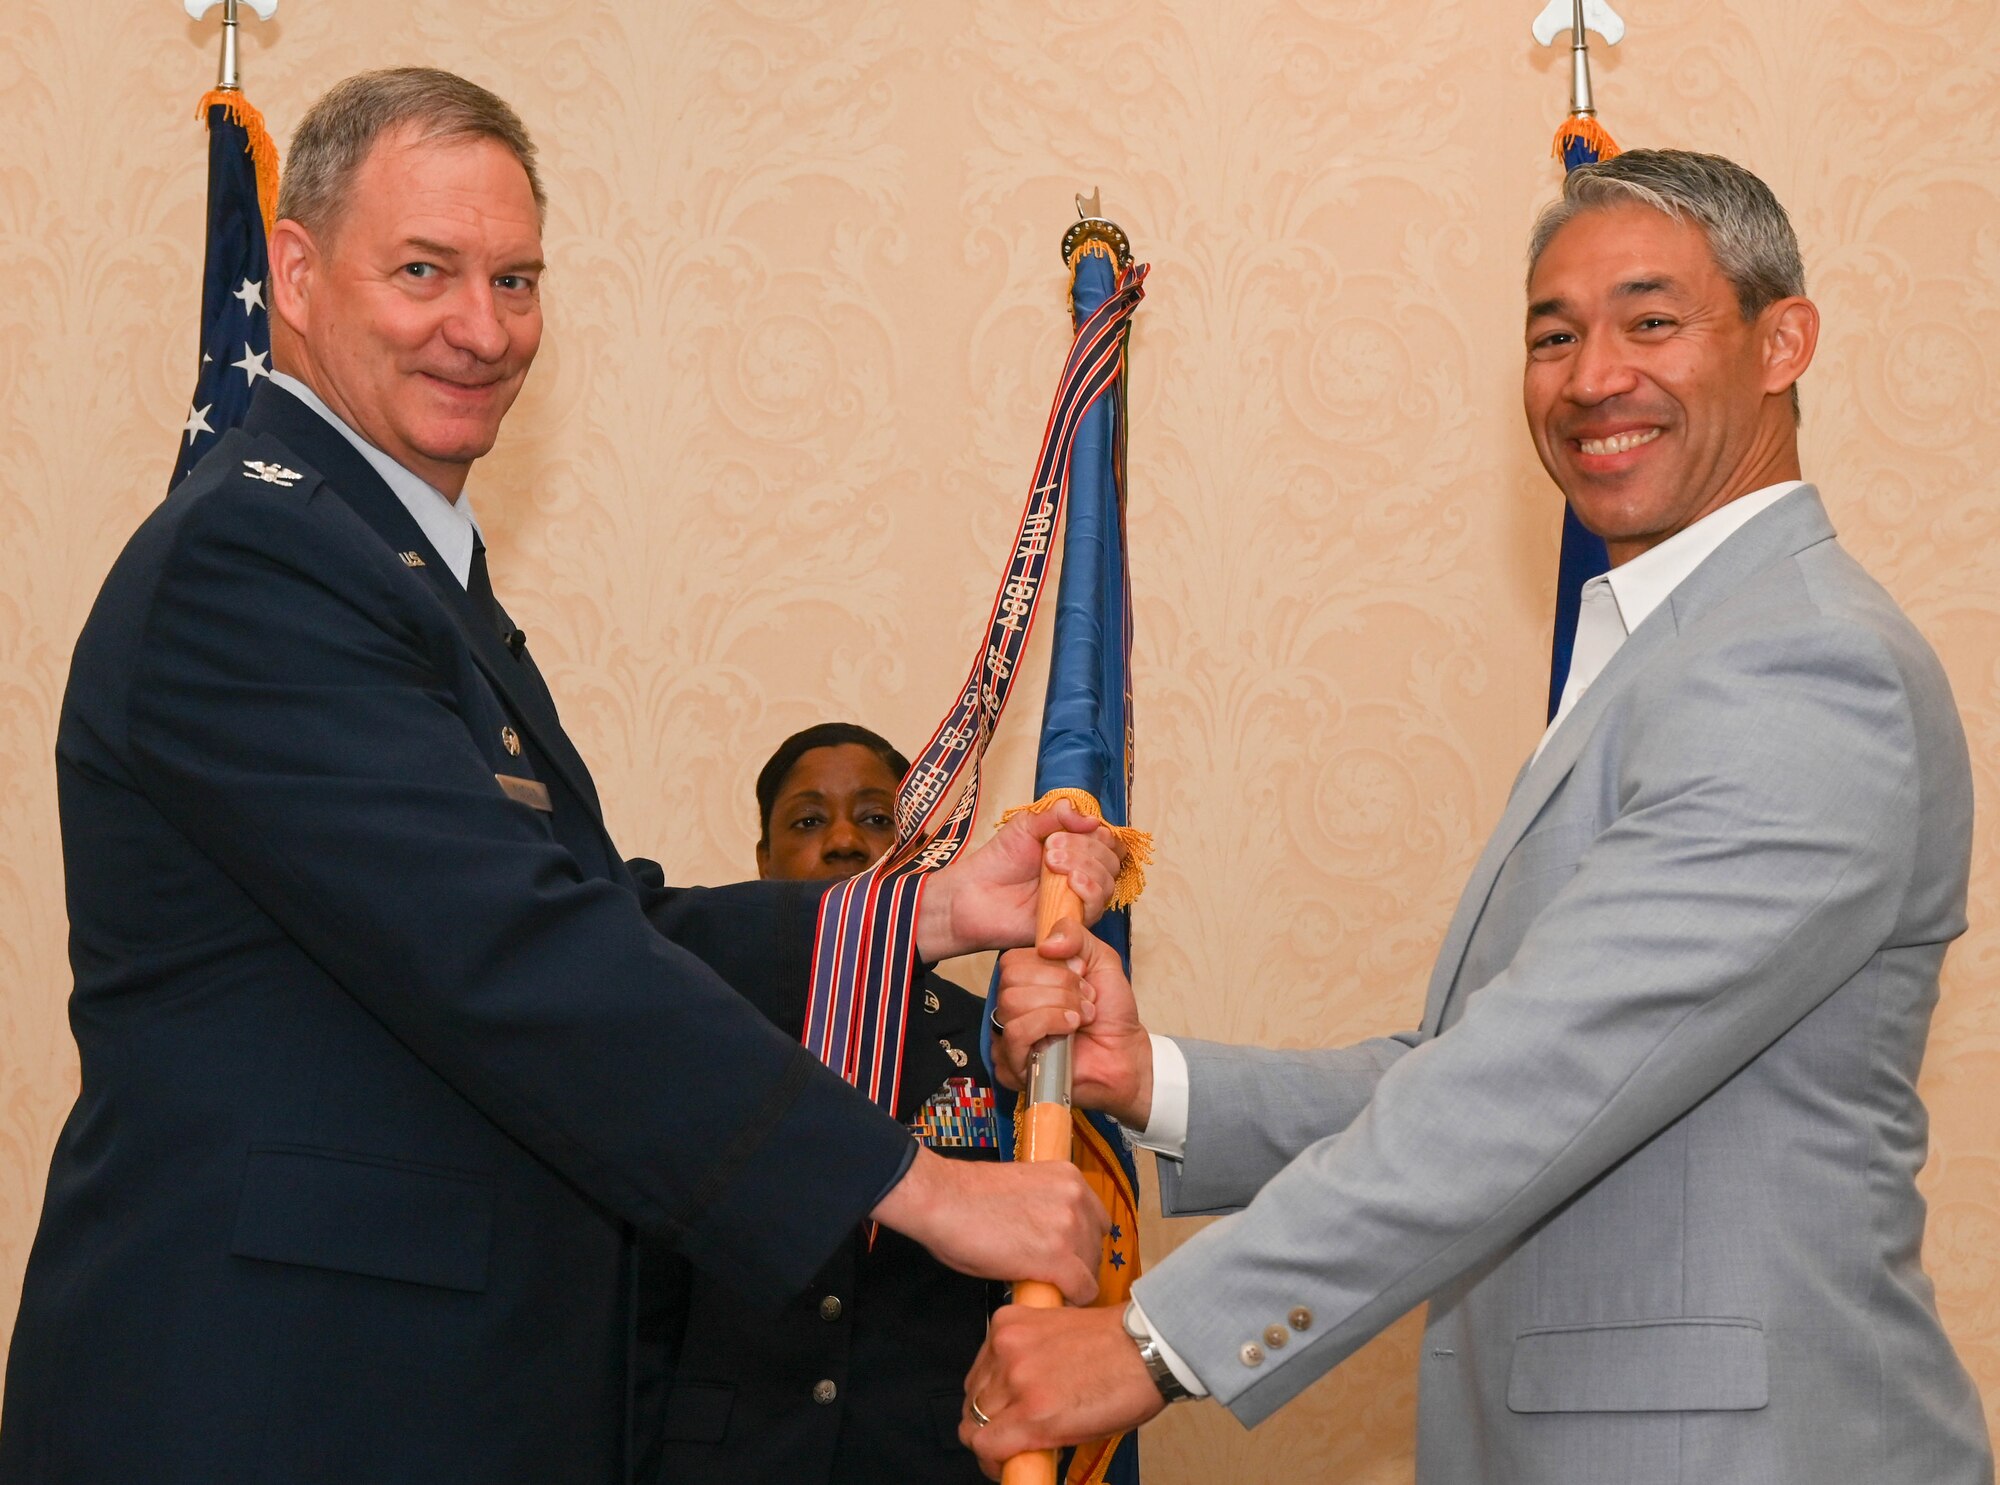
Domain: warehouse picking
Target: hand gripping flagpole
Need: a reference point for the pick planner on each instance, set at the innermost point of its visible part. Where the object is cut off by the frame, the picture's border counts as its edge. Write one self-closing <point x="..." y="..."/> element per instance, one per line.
<point x="1043" y="1133"/>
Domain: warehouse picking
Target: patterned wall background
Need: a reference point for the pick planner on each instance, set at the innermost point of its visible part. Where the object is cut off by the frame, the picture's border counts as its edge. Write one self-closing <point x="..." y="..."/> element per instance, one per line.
<point x="805" y="310"/>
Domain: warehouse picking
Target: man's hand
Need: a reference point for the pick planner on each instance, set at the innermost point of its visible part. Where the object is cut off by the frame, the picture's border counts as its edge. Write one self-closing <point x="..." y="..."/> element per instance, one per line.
<point x="1046" y="1378"/>
<point x="1074" y="982"/>
<point x="986" y="898"/>
<point x="1002" y="1221"/>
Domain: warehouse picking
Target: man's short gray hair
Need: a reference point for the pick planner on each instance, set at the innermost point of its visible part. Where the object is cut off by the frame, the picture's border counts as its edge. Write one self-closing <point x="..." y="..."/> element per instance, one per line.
<point x="337" y="132"/>
<point x="1747" y="229"/>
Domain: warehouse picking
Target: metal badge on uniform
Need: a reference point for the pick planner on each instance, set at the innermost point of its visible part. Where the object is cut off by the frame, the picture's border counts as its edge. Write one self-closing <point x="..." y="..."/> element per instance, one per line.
<point x="511" y="741"/>
<point x="960" y="1116"/>
<point x="411" y="559"/>
<point x="958" y="1058"/>
<point x="531" y="792"/>
<point x="271" y="474"/>
<point x="932" y="1003"/>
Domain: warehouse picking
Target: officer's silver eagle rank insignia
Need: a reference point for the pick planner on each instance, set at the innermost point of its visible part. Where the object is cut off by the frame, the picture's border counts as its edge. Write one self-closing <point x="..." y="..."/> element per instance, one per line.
<point x="271" y="474"/>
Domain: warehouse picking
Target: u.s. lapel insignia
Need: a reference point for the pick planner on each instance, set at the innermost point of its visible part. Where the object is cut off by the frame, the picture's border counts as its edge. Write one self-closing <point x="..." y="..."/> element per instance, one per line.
<point x="932" y="1003"/>
<point x="271" y="474"/>
<point x="411" y="559"/>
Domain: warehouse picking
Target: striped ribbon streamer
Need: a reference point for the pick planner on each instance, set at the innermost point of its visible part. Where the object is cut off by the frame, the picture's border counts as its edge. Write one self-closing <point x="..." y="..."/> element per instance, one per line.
<point x="865" y="952"/>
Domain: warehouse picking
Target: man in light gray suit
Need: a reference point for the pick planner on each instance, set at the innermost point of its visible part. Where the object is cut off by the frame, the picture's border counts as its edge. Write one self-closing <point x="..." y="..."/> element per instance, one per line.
<point x="1652" y="1154"/>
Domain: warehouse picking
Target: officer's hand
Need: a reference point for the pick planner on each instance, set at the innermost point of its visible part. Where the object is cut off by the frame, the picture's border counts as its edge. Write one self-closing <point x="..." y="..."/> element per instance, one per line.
<point x="986" y="898"/>
<point x="1046" y="1378"/>
<point x="1073" y="982"/>
<point x="997" y="1221"/>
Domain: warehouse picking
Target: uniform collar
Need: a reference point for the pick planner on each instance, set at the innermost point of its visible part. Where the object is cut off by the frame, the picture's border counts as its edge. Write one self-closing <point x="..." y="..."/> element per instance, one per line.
<point x="449" y="525"/>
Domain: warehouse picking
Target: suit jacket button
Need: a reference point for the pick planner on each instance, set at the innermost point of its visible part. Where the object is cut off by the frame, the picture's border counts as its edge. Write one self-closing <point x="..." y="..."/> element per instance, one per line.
<point x="511" y="741"/>
<point x="1301" y="1318"/>
<point x="1276" y="1337"/>
<point x="1252" y="1354"/>
<point x="829" y="1308"/>
<point x="824" y="1391"/>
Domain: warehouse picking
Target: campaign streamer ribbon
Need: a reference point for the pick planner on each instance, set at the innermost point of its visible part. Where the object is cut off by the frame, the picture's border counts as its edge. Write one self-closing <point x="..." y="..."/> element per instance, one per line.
<point x="865" y="950"/>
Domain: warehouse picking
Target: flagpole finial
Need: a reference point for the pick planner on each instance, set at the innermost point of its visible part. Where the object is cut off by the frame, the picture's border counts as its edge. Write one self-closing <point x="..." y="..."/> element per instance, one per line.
<point x="1579" y="18"/>
<point x="226" y="77"/>
<point x="1092" y="226"/>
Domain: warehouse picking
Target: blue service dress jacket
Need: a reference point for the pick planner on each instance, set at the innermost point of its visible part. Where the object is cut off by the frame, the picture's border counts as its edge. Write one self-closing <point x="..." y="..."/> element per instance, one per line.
<point x="860" y="1379"/>
<point x="388" y="1059"/>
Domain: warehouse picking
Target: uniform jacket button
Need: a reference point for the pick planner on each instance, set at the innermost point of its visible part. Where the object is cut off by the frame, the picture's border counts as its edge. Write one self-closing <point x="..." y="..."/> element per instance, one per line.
<point x="1301" y="1318"/>
<point x="1276" y="1337"/>
<point x="829" y="1308"/>
<point x="824" y="1391"/>
<point x="1252" y="1354"/>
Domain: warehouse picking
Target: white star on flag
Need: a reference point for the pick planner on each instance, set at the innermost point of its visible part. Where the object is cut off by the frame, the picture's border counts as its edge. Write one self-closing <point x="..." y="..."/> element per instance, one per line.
<point x="252" y="365"/>
<point x="197" y="422"/>
<point x="252" y="295"/>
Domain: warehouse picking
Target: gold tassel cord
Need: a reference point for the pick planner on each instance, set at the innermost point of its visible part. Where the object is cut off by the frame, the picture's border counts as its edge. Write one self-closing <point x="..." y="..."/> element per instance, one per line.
<point x="1135" y="847"/>
<point x="263" y="151"/>
<point x="1583" y="129"/>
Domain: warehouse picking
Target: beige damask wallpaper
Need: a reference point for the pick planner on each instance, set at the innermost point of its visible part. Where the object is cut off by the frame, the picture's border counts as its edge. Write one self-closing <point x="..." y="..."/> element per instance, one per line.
<point x="804" y="315"/>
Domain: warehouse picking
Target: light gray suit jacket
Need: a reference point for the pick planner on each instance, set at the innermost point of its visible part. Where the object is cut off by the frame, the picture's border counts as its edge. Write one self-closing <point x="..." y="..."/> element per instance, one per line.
<point x="1652" y="1155"/>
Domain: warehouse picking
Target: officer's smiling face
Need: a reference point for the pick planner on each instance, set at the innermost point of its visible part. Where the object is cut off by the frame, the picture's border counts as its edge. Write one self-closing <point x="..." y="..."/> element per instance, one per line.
<point x="417" y="312"/>
<point x="835" y="813"/>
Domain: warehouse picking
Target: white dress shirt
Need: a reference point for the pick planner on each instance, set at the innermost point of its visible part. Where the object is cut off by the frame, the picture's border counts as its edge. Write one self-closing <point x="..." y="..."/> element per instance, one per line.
<point x="449" y="525"/>
<point x="1619" y="601"/>
<point x="1614" y="604"/>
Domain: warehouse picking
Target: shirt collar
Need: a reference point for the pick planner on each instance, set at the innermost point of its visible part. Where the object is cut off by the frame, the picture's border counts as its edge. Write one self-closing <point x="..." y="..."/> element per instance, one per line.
<point x="449" y="525"/>
<point x="1644" y="583"/>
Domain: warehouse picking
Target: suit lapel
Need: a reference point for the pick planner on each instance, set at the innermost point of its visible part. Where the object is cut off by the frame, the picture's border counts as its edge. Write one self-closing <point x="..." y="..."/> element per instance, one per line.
<point x="349" y="476"/>
<point x="1537" y="782"/>
<point x="1787" y="528"/>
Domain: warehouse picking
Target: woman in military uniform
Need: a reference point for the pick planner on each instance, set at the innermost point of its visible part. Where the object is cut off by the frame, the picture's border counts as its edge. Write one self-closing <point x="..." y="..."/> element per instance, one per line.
<point x="859" y="1380"/>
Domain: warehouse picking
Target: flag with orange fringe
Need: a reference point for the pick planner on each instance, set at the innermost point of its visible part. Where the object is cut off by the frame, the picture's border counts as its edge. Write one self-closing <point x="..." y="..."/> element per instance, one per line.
<point x="1581" y="141"/>
<point x="1085" y="756"/>
<point x="235" y="281"/>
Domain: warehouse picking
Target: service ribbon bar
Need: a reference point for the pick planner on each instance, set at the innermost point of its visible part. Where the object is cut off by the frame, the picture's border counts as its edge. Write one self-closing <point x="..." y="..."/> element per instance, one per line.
<point x="865" y="952"/>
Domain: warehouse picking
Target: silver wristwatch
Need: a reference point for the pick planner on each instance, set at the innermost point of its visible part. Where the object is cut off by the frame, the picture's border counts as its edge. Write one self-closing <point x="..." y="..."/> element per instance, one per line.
<point x="1171" y="1386"/>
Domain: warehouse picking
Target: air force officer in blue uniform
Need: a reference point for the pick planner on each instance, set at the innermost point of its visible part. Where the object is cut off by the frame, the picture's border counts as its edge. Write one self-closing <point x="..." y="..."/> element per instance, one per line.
<point x="388" y="1058"/>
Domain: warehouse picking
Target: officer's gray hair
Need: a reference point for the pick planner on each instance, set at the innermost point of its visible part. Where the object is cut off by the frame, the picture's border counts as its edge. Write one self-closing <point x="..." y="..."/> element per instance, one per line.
<point x="1747" y="230"/>
<point x="337" y="132"/>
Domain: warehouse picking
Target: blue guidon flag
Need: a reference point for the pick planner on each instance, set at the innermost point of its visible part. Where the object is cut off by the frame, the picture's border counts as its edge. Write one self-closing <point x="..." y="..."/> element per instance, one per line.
<point x="1086" y="748"/>
<point x="1581" y="141"/>
<point x="858" y="1005"/>
<point x="235" y="282"/>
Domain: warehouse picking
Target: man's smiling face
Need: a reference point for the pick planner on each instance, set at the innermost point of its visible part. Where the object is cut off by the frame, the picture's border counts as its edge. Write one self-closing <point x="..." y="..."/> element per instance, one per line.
<point x="1651" y="400"/>
<point x="420" y="305"/>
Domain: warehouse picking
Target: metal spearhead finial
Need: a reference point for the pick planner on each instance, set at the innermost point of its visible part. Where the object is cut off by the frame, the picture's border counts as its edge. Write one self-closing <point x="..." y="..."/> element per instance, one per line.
<point x="1579" y="18"/>
<point x="226" y="76"/>
<point x="1091" y="226"/>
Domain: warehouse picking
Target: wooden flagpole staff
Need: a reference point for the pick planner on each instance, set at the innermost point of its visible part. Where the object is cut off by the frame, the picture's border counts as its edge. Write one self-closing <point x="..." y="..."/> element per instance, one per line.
<point x="1044" y="1134"/>
<point x="1044" y="1130"/>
